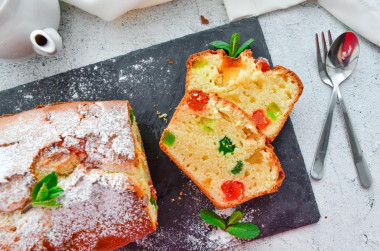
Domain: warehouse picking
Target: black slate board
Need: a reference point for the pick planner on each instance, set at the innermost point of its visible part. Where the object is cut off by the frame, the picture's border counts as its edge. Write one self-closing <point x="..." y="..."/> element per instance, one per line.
<point x="145" y="78"/>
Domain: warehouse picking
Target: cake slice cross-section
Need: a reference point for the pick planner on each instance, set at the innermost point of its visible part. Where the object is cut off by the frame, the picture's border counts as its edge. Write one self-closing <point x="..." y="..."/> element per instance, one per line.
<point x="219" y="147"/>
<point x="266" y="95"/>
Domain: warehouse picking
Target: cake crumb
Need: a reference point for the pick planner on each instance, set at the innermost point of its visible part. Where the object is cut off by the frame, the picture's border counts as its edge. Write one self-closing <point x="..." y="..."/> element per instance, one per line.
<point x="181" y="193"/>
<point x="298" y="157"/>
<point x="179" y="198"/>
<point x="173" y="200"/>
<point x="158" y="113"/>
<point x="221" y="30"/>
<point x="204" y="20"/>
<point x="169" y="61"/>
<point x="325" y="217"/>
<point x="164" y="115"/>
<point x="154" y="106"/>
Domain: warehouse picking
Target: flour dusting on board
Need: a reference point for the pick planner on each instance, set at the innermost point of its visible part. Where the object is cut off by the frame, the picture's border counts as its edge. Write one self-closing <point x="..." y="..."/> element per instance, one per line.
<point x="196" y="234"/>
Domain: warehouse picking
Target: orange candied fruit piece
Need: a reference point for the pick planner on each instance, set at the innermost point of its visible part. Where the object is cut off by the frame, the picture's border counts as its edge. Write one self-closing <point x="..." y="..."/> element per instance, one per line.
<point x="262" y="64"/>
<point x="232" y="189"/>
<point x="197" y="100"/>
<point x="261" y="119"/>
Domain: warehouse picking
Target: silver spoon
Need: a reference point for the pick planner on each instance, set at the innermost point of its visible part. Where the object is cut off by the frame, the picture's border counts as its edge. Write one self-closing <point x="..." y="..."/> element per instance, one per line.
<point x="340" y="63"/>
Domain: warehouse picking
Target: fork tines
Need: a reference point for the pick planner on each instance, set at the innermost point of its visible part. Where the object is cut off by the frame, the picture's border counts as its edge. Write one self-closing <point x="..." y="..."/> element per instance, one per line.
<point x="320" y="59"/>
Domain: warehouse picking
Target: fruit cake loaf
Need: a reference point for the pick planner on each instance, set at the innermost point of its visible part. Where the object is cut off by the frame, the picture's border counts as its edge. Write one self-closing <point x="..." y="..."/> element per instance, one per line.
<point x="266" y="95"/>
<point x="217" y="145"/>
<point x="96" y="151"/>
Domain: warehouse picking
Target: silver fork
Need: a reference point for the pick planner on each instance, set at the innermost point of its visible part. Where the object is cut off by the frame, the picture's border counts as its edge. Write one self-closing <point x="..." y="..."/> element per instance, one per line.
<point x="360" y="163"/>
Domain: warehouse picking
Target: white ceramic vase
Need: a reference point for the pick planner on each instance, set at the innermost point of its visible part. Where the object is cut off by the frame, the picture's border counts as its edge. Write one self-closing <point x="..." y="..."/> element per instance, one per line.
<point x="28" y="27"/>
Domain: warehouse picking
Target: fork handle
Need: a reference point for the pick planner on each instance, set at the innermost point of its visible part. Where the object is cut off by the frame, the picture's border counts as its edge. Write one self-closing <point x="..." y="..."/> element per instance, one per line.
<point x="357" y="153"/>
<point x="319" y="159"/>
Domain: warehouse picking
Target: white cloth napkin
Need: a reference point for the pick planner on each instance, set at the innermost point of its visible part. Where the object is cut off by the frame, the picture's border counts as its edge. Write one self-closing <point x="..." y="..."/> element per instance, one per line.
<point x="150" y="3"/>
<point x="363" y="16"/>
<point x="238" y="9"/>
<point x="108" y="10"/>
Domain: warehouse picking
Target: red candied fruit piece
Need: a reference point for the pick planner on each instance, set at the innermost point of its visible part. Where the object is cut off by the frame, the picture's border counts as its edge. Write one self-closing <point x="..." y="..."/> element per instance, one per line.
<point x="232" y="189"/>
<point x="262" y="64"/>
<point x="197" y="100"/>
<point x="261" y="119"/>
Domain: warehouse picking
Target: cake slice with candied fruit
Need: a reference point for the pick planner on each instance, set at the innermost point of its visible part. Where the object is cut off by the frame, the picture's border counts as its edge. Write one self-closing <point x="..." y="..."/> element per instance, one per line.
<point x="266" y="95"/>
<point x="219" y="147"/>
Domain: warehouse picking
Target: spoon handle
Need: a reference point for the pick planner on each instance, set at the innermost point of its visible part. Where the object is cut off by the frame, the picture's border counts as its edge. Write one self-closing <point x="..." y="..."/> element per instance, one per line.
<point x="319" y="159"/>
<point x="357" y="153"/>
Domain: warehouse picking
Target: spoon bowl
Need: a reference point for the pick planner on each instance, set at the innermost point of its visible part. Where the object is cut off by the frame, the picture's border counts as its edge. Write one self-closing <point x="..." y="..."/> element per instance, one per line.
<point x="342" y="57"/>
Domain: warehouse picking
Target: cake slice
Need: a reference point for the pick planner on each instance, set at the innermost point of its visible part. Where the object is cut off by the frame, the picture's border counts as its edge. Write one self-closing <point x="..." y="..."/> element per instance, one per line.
<point x="96" y="151"/>
<point x="218" y="146"/>
<point x="266" y="95"/>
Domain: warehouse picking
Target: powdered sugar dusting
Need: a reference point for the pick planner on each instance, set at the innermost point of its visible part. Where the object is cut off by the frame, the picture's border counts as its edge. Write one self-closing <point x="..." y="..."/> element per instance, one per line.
<point x="28" y="229"/>
<point x="113" y="206"/>
<point x="220" y="236"/>
<point x="192" y="232"/>
<point x="23" y="135"/>
<point x="20" y="141"/>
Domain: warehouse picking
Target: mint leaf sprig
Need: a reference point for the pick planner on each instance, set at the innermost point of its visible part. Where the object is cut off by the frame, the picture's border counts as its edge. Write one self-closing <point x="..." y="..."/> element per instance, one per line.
<point x="243" y="230"/>
<point x="45" y="192"/>
<point x="232" y="48"/>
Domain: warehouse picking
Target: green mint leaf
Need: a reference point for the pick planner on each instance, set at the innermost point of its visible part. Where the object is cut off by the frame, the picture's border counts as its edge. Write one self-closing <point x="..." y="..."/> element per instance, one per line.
<point x="244" y="230"/>
<point x="236" y="217"/>
<point x="243" y="47"/>
<point x="212" y="218"/>
<point x="153" y="201"/>
<point x="234" y="44"/>
<point x="226" y="146"/>
<point x="50" y="180"/>
<point x="43" y="193"/>
<point x="131" y="116"/>
<point x="47" y="203"/>
<point x="54" y="192"/>
<point x="237" y="169"/>
<point x="221" y="45"/>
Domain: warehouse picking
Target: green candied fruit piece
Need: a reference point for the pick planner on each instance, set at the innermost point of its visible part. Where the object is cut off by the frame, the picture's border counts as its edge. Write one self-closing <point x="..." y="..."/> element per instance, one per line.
<point x="207" y="124"/>
<point x="273" y="111"/>
<point x="226" y="146"/>
<point x="168" y="138"/>
<point x="153" y="201"/>
<point x="237" y="169"/>
<point x="131" y="116"/>
<point x="200" y="64"/>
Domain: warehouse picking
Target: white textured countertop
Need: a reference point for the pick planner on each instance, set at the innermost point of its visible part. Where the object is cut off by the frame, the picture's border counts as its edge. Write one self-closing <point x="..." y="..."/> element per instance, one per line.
<point x="350" y="215"/>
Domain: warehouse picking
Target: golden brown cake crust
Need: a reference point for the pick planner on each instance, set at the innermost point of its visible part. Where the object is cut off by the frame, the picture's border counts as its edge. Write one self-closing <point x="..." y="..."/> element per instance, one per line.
<point x="289" y="74"/>
<point x="228" y="61"/>
<point x="104" y="206"/>
<point x="223" y="205"/>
